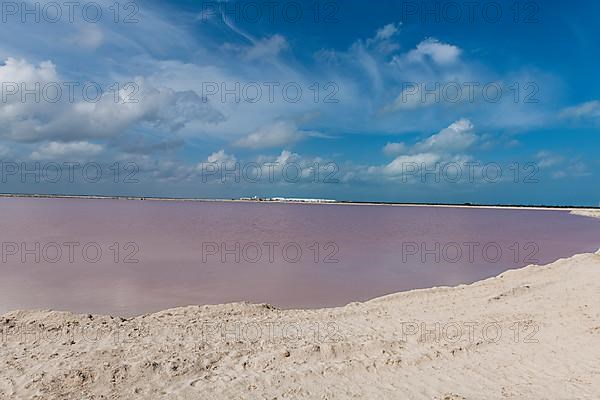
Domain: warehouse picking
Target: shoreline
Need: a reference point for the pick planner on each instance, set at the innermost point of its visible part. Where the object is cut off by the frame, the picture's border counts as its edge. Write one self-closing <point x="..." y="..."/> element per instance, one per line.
<point x="315" y="203"/>
<point x="585" y="212"/>
<point x="526" y="333"/>
<point x="270" y="306"/>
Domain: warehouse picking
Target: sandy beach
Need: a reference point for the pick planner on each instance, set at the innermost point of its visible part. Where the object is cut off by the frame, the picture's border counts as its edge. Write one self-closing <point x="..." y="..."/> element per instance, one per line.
<point x="530" y="333"/>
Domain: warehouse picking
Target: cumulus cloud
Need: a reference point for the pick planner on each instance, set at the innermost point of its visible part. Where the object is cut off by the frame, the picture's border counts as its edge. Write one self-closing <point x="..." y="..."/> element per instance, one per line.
<point x="62" y="114"/>
<point x="399" y="164"/>
<point x="394" y="149"/>
<point x="431" y="48"/>
<point x="369" y="75"/>
<point x="216" y="164"/>
<point x="285" y="167"/>
<point x="15" y="70"/>
<point x="448" y="145"/>
<point x="458" y="136"/>
<point x="221" y="157"/>
<point x="304" y="170"/>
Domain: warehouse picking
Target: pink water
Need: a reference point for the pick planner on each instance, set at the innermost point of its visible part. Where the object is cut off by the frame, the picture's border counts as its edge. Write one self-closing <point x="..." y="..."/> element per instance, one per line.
<point x="374" y="247"/>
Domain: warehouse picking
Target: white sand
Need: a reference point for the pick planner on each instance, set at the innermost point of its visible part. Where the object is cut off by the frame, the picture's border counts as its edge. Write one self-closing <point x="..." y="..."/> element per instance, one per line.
<point x="587" y="213"/>
<point x="372" y="350"/>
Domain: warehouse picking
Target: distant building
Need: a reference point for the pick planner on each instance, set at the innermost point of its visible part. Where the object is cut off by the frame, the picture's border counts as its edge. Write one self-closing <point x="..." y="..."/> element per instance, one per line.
<point x="287" y="199"/>
<point x="299" y="200"/>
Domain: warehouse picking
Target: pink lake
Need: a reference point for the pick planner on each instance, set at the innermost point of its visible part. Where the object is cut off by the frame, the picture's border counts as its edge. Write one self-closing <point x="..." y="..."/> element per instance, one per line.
<point x="131" y="257"/>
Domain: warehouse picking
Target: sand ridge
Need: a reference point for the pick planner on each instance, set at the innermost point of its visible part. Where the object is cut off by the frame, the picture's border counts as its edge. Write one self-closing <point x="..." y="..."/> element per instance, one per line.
<point x="530" y="333"/>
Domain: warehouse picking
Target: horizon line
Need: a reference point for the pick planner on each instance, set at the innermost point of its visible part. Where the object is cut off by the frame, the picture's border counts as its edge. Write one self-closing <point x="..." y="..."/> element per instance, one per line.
<point x="284" y="200"/>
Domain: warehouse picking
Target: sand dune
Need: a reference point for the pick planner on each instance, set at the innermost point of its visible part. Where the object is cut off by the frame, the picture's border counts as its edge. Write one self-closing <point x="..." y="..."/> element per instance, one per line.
<point x="531" y="333"/>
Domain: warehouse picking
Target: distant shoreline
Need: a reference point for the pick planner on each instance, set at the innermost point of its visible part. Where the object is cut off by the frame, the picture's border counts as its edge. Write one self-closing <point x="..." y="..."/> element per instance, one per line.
<point x="335" y="202"/>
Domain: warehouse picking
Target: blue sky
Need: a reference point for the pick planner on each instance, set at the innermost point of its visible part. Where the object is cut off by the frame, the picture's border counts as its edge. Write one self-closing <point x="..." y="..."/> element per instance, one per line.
<point x="389" y="102"/>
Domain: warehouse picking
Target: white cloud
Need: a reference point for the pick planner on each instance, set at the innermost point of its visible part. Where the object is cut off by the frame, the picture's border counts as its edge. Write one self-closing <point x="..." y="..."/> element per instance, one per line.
<point x="386" y="32"/>
<point x="277" y="134"/>
<point x="446" y="146"/>
<point x="548" y="159"/>
<point x="590" y="109"/>
<point x="423" y="86"/>
<point x="264" y="48"/>
<point x="56" y="150"/>
<point x="273" y="168"/>
<point x="267" y="47"/>
<point x="68" y="118"/>
<point x="394" y="149"/>
<point x="458" y="136"/>
<point x="384" y="40"/>
<point x="221" y="157"/>
<point x="400" y="163"/>
<point x="17" y="70"/>
<point x="220" y="160"/>
<point x="304" y="166"/>
<point x="440" y="53"/>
